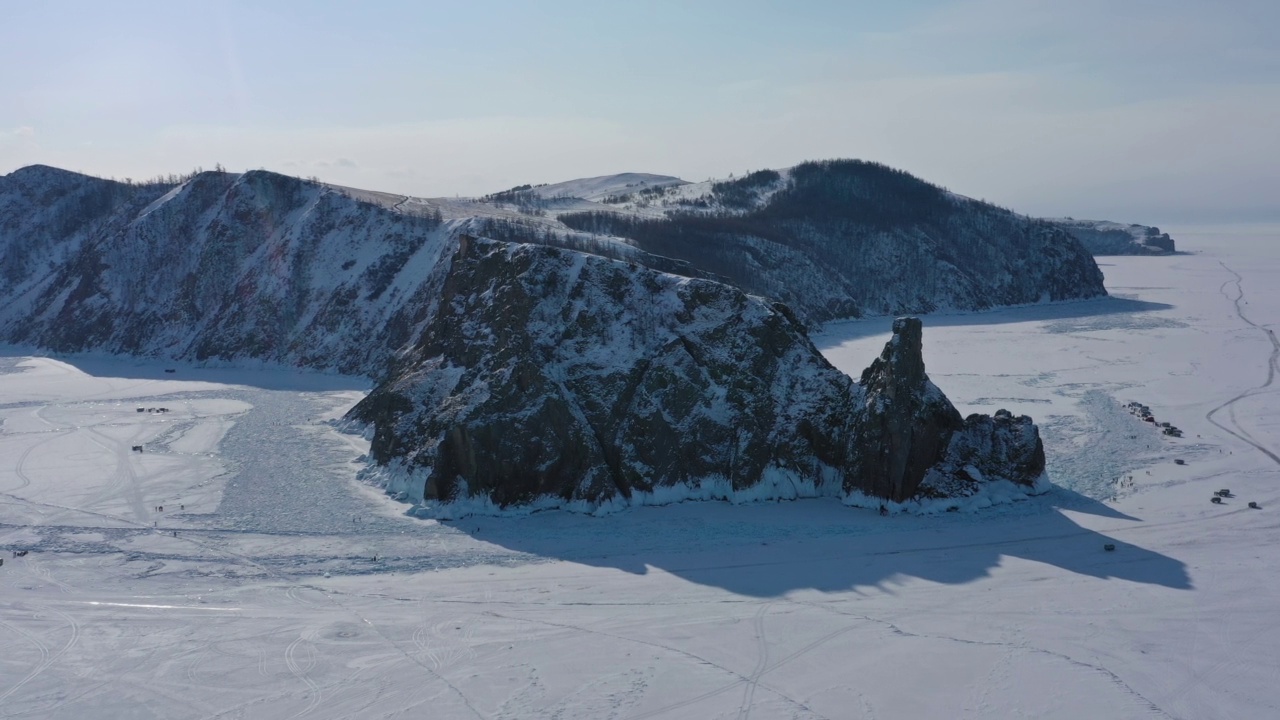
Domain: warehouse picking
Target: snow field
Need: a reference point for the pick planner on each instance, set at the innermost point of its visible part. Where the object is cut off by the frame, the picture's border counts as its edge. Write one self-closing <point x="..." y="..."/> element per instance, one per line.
<point x="269" y="604"/>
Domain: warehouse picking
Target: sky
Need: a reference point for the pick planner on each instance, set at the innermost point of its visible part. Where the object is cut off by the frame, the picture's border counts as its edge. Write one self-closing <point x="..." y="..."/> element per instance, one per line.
<point x="1151" y="111"/>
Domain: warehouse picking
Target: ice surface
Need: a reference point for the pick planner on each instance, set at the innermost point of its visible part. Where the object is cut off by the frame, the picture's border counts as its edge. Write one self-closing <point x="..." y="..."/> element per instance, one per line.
<point x="268" y="602"/>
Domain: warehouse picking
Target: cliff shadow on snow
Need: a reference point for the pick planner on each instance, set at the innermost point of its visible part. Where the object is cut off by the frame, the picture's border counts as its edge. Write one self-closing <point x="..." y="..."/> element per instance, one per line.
<point x="771" y="549"/>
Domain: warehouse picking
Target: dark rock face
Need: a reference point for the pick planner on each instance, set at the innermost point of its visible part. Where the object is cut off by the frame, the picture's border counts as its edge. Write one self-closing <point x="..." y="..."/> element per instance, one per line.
<point x="999" y="447"/>
<point x="909" y="440"/>
<point x="1156" y="239"/>
<point x="1100" y="237"/>
<point x="551" y="378"/>
<point x="554" y="374"/>
<point x="905" y="422"/>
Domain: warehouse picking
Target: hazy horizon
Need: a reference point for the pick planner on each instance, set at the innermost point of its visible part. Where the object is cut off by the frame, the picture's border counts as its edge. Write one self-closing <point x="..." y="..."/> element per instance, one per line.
<point x="1159" y="113"/>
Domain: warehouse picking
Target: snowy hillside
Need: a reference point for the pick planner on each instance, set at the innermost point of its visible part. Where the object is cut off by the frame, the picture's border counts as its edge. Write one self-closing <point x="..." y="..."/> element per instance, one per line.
<point x="46" y="217"/>
<point x="266" y="267"/>
<point x="1102" y="237"/>
<point x="833" y="239"/>
<point x="227" y="267"/>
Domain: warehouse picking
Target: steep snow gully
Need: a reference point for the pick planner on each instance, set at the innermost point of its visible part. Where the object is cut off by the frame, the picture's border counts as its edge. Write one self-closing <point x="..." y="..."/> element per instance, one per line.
<point x="1235" y="429"/>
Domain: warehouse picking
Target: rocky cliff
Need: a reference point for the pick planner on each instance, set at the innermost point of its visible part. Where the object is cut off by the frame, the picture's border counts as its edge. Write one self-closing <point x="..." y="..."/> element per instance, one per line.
<point x="910" y="441"/>
<point x="549" y="374"/>
<point x="905" y="423"/>
<point x="1102" y="237"/>
<point x="552" y="379"/>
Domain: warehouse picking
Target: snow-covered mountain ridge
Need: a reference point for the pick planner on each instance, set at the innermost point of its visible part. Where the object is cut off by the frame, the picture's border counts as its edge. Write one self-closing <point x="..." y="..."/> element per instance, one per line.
<point x="832" y="239"/>
<point x="513" y="373"/>
<point x="265" y="267"/>
<point x="229" y="267"/>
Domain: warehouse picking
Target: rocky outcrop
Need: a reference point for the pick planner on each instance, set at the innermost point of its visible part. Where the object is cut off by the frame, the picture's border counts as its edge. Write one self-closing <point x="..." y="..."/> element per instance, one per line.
<point x="999" y="447"/>
<point x="555" y="379"/>
<point x="909" y="440"/>
<point x="905" y="423"/>
<point x="1101" y="237"/>
<point x="555" y="376"/>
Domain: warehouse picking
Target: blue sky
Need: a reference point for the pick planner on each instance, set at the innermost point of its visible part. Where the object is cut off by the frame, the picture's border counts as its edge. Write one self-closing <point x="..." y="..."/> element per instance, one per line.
<point x="1161" y="112"/>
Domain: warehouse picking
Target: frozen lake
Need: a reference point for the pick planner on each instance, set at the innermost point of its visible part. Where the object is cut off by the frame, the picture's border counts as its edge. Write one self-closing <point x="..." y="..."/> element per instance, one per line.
<point x="254" y="592"/>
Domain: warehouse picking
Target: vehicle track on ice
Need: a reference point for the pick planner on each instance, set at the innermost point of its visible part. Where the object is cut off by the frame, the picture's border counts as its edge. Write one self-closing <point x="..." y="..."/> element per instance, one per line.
<point x="762" y="664"/>
<point x="56" y="434"/>
<point x="47" y="659"/>
<point x="302" y="670"/>
<point x="1273" y="362"/>
<point x="739" y="679"/>
<point x="1113" y="678"/>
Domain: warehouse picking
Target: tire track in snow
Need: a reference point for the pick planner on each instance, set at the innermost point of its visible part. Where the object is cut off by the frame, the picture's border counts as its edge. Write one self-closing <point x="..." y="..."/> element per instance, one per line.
<point x="359" y="691"/>
<point x="41" y="648"/>
<point x="125" y="477"/>
<point x="121" y="478"/>
<point x="293" y="592"/>
<point x="302" y="670"/>
<point x="196" y="662"/>
<point x="47" y="659"/>
<point x="60" y="702"/>
<point x="211" y="548"/>
<point x="1230" y="662"/>
<point x="59" y="433"/>
<point x="1273" y="362"/>
<point x="39" y="570"/>
<point x="334" y="603"/>
<point x="1115" y="679"/>
<point x="22" y="461"/>
<point x="31" y="564"/>
<point x="762" y="662"/>
<point x="338" y="686"/>
<point x="440" y="649"/>
<point x="740" y="678"/>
